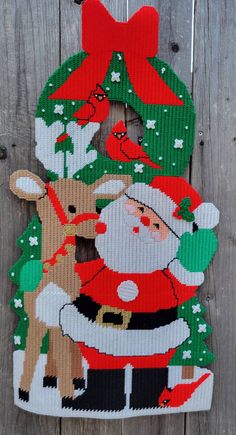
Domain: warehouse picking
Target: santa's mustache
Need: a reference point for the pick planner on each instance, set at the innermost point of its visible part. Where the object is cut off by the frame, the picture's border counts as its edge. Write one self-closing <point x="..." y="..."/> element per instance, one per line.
<point x="138" y="230"/>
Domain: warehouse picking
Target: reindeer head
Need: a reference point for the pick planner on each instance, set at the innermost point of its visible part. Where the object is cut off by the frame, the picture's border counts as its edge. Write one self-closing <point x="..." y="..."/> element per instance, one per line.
<point x="61" y="203"/>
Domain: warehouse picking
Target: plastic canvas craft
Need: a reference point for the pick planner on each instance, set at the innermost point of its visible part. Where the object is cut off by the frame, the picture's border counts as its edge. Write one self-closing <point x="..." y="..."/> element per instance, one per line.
<point x="123" y="333"/>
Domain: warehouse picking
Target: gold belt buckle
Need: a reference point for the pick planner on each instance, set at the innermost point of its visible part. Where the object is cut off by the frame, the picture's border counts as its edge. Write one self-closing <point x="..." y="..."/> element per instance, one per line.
<point x="126" y="316"/>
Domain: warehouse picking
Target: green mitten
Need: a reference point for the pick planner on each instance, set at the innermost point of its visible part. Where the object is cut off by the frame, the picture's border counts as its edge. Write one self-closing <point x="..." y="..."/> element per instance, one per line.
<point x="196" y="250"/>
<point x="31" y="275"/>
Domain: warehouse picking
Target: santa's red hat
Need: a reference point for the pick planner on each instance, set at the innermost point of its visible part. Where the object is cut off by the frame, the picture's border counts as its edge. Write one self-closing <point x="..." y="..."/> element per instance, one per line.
<point x="176" y="202"/>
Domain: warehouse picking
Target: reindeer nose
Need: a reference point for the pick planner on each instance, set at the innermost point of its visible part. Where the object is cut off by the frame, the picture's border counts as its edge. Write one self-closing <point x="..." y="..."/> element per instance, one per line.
<point x="71" y="209"/>
<point x="100" y="228"/>
<point x="145" y="221"/>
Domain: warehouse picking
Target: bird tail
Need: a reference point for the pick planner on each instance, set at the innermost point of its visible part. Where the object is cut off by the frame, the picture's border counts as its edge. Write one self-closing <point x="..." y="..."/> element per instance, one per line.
<point x="201" y="380"/>
<point x="150" y="163"/>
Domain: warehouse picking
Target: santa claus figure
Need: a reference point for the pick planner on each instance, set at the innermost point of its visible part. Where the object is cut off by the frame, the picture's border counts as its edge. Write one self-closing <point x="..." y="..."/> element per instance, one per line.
<point x="158" y="241"/>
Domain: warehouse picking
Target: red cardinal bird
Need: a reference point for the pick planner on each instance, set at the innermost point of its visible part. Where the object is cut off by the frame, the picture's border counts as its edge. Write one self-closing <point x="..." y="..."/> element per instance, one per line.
<point x="120" y="147"/>
<point x="96" y="109"/>
<point x="180" y="393"/>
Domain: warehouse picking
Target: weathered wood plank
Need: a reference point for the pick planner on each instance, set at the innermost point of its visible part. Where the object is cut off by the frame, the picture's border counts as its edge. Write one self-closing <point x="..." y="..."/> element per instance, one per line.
<point x="29" y="47"/>
<point x="213" y="173"/>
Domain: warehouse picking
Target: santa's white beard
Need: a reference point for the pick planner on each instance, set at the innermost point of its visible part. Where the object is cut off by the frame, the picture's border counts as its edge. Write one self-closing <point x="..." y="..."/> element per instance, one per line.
<point x="126" y="252"/>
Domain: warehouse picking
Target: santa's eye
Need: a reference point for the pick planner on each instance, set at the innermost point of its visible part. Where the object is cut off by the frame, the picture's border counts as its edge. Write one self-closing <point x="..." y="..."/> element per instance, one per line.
<point x="156" y="226"/>
<point x="141" y="209"/>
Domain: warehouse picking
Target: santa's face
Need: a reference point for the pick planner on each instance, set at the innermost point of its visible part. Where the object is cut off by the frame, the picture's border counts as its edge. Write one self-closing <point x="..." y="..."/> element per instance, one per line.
<point x="136" y="240"/>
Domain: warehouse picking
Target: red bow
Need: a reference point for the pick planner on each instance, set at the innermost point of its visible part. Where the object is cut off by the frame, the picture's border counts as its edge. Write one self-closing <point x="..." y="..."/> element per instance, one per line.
<point x="137" y="40"/>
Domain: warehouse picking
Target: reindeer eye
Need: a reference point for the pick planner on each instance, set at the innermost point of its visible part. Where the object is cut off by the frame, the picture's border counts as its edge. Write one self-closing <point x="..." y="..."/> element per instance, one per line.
<point x="156" y="226"/>
<point x="98" y="210"/>
<point x="71" y="209"/>
<point x="141" y="209"/>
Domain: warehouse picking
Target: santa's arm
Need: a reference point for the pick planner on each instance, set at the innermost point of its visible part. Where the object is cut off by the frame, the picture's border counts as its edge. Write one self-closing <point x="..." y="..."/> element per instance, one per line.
<point x="185" y="283"/>
<point x="89" y="269"/>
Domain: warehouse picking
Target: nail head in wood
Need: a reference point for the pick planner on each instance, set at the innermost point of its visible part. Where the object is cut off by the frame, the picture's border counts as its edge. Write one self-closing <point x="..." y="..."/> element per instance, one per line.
<point x="3" y="153"/>
<point x="174" y="47"/>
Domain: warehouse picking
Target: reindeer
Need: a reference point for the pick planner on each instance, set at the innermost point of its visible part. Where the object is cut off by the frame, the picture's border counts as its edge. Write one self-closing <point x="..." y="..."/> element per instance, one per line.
<point x="67" y="208"/>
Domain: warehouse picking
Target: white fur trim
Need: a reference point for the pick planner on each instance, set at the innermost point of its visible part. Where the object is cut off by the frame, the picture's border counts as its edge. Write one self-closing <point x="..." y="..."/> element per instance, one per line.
<point x="162" y="204"/>
<point x="206" y="215"/>
<point x="49" y="302"/>
<point x="184" y="276"/>
<point x="110" y="187"/>
<point x="119" y="342"/>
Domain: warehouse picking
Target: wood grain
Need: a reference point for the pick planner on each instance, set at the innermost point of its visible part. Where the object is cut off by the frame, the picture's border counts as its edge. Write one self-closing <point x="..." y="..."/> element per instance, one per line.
<point x="29" y="46"/>
<point x="213" y="173"/>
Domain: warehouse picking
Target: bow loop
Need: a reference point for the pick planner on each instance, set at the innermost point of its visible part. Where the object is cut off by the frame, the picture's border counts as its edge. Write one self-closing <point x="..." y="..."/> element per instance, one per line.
<point x="137" y="39"/>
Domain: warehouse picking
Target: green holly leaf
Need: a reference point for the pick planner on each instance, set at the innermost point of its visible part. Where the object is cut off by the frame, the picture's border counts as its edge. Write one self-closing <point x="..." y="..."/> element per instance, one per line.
<point x="184" y="211"/>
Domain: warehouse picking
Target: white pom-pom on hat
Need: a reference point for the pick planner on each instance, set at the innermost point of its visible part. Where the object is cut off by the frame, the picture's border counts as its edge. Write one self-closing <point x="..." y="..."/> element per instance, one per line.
<point x="206" y="215"/>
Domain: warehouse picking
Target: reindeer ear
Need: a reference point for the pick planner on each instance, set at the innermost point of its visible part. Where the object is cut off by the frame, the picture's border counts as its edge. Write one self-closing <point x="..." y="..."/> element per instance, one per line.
<point x="111" y="186"/>
<point x="26" y="185"/>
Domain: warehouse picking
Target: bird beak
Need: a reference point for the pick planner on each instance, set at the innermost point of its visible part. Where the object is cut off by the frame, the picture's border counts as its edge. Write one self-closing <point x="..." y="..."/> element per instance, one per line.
<point x="100" y="97"/>
<point x="119" y="136"/>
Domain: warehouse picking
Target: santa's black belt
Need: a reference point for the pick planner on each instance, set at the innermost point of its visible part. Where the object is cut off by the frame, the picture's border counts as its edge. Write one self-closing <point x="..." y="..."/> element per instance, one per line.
<point x="106" y="315"/>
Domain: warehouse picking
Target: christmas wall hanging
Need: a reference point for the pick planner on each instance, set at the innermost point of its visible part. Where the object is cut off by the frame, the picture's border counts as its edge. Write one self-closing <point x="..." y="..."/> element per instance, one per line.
<point x="122" y="334"/>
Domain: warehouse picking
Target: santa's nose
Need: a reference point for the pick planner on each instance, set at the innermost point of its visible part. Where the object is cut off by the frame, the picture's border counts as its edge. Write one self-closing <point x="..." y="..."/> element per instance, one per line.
<point x="145" y="221"/>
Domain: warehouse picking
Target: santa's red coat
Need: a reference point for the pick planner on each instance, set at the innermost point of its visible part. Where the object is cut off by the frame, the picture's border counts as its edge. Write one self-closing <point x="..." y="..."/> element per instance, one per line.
<point x="157" y="290"/>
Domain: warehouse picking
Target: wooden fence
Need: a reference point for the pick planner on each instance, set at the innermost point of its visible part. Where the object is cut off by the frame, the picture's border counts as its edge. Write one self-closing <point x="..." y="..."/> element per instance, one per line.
<point x="198" y="39"/>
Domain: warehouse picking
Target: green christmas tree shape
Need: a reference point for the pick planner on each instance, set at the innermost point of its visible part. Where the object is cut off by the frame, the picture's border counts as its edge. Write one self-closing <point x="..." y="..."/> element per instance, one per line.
<point x="30" y="244"/>
<point x="194" y="350"/>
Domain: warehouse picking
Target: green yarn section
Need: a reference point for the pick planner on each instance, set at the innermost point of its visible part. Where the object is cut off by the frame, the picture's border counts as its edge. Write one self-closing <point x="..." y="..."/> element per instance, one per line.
<point x="196" y="250"/>
<point x="194" y="350"/>
<point x="31" y="275"/>
<point x="169" y="144"/>
<point x="30" y="244"/>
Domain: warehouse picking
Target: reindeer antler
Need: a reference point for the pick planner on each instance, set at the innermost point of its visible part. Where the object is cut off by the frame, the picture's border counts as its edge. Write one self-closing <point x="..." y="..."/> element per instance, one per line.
<point x="81" y="138"/>
<point x="46" y="138"/>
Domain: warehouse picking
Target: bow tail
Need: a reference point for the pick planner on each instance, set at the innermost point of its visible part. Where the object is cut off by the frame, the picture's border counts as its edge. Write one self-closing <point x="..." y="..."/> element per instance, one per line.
<point x="147" y="83"/>
<point x="84" y="79"/>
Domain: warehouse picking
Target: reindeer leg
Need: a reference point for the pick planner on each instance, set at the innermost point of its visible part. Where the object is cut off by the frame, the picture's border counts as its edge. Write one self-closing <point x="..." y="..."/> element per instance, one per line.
<point x="35" y="335"/>
<point x="62" y="356"/>
<point x="50" y="377"/>
<point x="77" y="367"/>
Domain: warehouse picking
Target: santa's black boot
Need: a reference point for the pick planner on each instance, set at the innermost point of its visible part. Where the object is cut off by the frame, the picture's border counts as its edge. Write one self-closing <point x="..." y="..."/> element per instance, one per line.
<point x="147" y="385"/>
<point x="105" y="391"/>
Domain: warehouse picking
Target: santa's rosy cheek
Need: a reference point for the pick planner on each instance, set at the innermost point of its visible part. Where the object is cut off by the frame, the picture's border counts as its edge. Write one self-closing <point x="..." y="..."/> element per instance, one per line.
<point x="130" y="208"/>
<point x="156" y="236"/>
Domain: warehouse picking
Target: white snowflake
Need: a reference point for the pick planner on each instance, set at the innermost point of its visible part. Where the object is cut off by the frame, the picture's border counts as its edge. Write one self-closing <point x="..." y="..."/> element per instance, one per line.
<point x="187" y="354"/>
<point x="202" y="328"/>
<point x="196" y="308"/>
<point x="17" y="339"/>
<point x="18" y="303"/>
<point x="178" y="143"/>
<point x="115" y="76"/>
<point x="138" y="168"/>
<point x="151" y="123"/>
<point x="33" y="241"/>
<point x="119" y="56"/>
<point x="59" y="109"/>
<point x="163" y="70"/>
